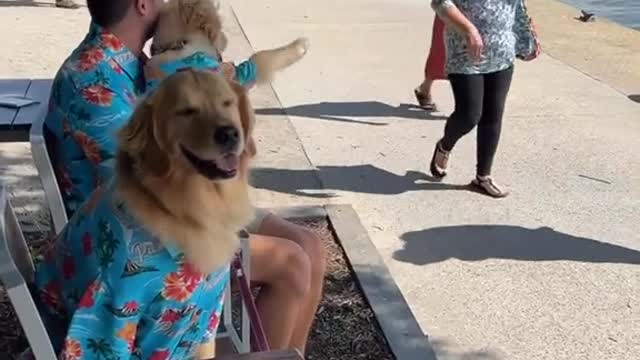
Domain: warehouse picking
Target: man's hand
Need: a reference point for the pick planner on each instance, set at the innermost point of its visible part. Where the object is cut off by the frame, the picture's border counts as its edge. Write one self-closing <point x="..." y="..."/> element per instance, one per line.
<point x="474" y="43"/>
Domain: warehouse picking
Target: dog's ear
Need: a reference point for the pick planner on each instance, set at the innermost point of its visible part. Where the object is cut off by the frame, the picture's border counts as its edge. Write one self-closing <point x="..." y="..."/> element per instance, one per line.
<point x="247" y="117"/>
<point x="138" y="139"/>
<point x="202" y="15"/>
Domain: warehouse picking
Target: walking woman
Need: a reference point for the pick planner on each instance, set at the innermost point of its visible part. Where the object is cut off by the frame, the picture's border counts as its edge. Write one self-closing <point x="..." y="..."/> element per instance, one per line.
<point x="483" y="39"/>
<point x="433" y="68"/>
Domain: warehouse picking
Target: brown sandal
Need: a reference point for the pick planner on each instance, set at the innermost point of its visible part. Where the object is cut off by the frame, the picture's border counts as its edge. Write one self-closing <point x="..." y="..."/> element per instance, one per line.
<point x="489" y="187"/>
<point x="424" y="101"/>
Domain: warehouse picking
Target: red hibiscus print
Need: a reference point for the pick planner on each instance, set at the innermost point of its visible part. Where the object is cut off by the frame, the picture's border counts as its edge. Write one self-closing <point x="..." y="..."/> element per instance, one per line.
<point x="72" y="350"/>
<point x="170" y="316"/>
<point x="175" y="288"/>
<point x="88" y="299"/>
<point x="130" y="307"/>
<point x="115" y="67"/>
<point x="68" y="267"/>
<point x="214" y="320"/>
<point x="89" y="147"/>
<point x="191" y="276"/>
<point x="86" y="244"/>
<point x="89" y="58"/>
<point x="98" y="95"/>
<point x="180" y="285"/>
<point x="159" y="355"/>
<point x="111" y="41"/>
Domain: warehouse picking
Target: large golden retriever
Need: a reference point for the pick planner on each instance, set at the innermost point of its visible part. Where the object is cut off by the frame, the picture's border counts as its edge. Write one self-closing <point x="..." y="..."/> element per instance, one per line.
<point x="183" y="164"/>
<point x="186" y="27"/>
<point x="143" y="264"/>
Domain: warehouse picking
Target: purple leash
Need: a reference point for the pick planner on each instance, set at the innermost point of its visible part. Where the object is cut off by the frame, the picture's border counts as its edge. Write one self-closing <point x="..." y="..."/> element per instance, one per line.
<point x="258" y="337"/>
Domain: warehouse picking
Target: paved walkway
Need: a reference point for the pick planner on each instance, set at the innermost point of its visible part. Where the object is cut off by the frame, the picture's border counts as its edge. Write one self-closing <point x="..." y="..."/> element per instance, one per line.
<point x="549" y="273"/>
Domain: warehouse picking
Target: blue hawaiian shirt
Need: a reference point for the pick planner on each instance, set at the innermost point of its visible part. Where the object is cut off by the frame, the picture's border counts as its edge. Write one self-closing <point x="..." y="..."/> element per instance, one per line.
<point x="244" y="73"/>
<point x="93" y="95"/>
<point x="108" y="289"/>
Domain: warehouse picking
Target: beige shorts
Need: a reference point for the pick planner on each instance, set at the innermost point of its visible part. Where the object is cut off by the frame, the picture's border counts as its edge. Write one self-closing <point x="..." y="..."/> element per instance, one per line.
<point x="259" y="216"/>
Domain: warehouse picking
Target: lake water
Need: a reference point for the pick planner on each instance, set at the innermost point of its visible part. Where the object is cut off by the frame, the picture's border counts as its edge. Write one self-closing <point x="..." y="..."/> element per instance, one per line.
<point x="625" y="12"/>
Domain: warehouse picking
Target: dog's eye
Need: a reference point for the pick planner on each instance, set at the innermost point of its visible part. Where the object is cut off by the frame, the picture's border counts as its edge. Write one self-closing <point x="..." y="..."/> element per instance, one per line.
<point x="188" y="111"/>
<point x="227" y="103"/>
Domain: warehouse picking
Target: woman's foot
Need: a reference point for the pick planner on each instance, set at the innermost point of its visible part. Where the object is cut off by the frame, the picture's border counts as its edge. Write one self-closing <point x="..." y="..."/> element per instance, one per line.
<point x="439" y="161"/>
<point x="487" y="185"/>
<point x="424" y="99"/>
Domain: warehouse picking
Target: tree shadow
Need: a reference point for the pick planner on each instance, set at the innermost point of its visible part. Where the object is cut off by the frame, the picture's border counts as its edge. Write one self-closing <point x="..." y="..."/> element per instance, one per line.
<point x="347" y="111"/>
<point x="482" y="242"/>
<point x="25" y="3"/>
<point x="367" y="179"/>
<point x="635" y="97"/>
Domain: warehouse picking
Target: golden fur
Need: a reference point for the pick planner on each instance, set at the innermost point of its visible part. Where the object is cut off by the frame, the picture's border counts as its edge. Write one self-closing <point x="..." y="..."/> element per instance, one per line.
<point x="164" y="190"/>
<point x="198" y="23"/>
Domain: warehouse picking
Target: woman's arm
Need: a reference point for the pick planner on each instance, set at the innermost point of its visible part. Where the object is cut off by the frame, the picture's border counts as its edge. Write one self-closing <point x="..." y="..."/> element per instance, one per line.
<point x="452" y="16"/>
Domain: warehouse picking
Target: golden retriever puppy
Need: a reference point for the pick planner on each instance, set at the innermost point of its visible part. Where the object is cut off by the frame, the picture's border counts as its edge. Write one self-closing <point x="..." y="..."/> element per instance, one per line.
<point x="143" y="264"/>
<point x="189" y="34"/>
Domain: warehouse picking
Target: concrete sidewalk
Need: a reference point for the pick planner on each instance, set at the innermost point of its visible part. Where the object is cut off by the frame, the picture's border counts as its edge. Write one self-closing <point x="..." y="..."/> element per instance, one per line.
<point x="549" y="273"/>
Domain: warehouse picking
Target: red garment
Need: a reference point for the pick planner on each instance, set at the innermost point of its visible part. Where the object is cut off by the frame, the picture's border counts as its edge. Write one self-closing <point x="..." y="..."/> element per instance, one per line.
<point x="434" y="68"/>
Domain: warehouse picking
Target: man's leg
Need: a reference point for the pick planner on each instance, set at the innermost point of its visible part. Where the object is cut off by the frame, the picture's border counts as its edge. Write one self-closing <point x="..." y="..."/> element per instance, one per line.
<point x="315" y="252"/>
<point x="283" y="269"/>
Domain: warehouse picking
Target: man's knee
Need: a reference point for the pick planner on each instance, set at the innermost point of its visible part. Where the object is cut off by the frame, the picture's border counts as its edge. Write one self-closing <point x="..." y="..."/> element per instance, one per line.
<point x="314" y="246"/>
<point x="295" y="271"/>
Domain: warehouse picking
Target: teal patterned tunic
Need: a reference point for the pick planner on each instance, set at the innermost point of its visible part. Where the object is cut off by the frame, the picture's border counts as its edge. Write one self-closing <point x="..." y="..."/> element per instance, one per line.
<point x="500" y="22"/>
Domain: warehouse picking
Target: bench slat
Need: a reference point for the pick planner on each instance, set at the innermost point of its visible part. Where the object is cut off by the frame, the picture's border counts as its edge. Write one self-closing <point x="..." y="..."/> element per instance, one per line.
<point x="40" y="89"/>
<point x="11" y="87"/>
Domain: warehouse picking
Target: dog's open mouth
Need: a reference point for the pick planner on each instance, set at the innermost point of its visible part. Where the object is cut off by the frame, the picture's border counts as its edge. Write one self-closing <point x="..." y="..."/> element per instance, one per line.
<point x="224" y="167"/>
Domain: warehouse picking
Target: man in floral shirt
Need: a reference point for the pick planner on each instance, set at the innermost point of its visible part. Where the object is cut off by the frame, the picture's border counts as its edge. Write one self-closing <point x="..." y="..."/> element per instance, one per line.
<point x="94" y="94"/>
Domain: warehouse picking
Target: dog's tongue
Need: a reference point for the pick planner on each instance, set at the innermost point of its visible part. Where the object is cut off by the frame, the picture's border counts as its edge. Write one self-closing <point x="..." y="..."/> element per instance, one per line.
<point x="228" y="162"/>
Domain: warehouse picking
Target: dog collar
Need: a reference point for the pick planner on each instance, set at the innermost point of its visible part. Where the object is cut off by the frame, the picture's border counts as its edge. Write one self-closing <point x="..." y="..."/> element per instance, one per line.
<point x="175" y="46"/>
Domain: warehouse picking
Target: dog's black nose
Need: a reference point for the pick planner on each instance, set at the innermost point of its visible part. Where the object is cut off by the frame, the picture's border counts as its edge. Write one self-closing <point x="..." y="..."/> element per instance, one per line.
<point x="227" y="137"/>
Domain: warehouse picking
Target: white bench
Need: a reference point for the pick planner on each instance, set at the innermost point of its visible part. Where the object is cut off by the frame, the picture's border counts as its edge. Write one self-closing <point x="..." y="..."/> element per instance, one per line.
<point x="16" y="272"/>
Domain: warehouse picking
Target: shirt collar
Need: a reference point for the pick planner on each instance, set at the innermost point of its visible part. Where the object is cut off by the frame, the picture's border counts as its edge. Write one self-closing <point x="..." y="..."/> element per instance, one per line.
<point x="116" y="52"/>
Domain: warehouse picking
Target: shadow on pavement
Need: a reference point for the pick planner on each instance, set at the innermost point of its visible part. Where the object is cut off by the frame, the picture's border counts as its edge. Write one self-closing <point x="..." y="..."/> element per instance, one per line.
<point x="635" y="98"/>
<point x="482" y="242"/>
<point x="357" y="178"/>
<point x="447" y="350"/>
<point x="345" y="111"/>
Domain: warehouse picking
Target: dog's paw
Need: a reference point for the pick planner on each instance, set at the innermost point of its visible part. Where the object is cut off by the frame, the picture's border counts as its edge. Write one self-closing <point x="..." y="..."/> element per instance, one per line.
<point x="301" y="45"/>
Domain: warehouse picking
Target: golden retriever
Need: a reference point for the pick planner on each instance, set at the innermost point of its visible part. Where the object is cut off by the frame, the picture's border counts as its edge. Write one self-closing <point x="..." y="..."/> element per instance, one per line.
<point x="183" y="164"/>
<point x="186" y="27"/>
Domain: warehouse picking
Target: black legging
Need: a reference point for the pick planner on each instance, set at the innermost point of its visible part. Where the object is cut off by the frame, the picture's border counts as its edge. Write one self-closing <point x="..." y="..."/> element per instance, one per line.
<point x="479" y="101"/>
